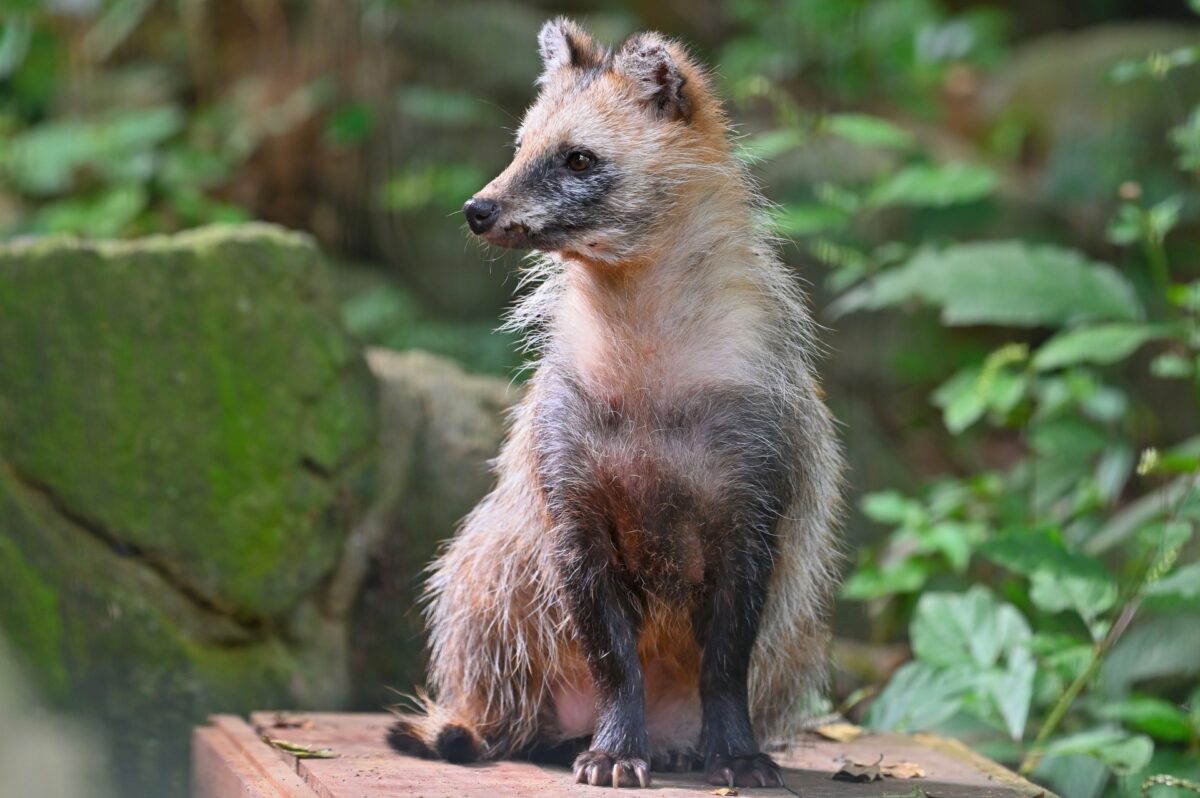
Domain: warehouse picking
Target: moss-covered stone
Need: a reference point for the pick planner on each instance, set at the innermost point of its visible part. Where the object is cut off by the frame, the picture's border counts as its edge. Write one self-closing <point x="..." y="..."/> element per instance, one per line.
<point x="186" y="438"/>
<point x="189" y="397"/>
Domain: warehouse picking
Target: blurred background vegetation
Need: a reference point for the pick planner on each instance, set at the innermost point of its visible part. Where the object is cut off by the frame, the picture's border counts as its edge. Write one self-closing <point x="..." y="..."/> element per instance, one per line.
<point x="995" y="206"/>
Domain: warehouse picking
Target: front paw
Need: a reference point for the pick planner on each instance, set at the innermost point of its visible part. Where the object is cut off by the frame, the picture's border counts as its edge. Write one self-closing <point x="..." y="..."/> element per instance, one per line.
<point x="752" y="770"/>
<point x="600" y="770"/>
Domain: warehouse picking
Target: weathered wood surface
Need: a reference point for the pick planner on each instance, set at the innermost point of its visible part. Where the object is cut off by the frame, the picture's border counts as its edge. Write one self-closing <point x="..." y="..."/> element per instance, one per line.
<point x="230" y="760"/>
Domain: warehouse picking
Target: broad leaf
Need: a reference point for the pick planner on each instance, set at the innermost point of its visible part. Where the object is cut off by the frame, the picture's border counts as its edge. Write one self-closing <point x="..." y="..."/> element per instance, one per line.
<point x="1122" y="752"/>
<point x="868" y="131"/>
<point x="1160" y="647"/>
<point x="919" y="696"/>
<point x="961" y="400"/>
<point x="768" y="145"/>
<point x="872" y="582"/>
<point x="808" y="219"/>
<point x="971" y="628"/>
<point x="1002" y="282"/>
<point x="1087" y="594"/>
<point x="1102" y="344"/>
<point x="935" y="185"/>
<point x="891" y="507"/>
<point x="954" y="540"/>
<point x="1154" y="716"/>
<point x="1060" y="579"/>
<point x="1181" y="588"/>
<point x="1011" y="693"/>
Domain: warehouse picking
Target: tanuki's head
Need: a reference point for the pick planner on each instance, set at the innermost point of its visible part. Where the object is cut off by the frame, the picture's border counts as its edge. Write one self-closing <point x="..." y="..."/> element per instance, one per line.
<point x="614" y="142"/>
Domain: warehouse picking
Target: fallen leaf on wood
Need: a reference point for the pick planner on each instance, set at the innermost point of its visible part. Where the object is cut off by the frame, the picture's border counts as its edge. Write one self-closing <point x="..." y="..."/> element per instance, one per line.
<point x="299" y="750"/>
<point x="903" y="770"/>
<point x="840" y="732"/>
<point x="857" y="771"/>
<point x="725" y="791"/>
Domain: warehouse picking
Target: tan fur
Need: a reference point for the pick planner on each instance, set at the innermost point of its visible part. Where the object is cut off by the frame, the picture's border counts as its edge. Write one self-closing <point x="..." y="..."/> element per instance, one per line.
<point x="647" y="323"/>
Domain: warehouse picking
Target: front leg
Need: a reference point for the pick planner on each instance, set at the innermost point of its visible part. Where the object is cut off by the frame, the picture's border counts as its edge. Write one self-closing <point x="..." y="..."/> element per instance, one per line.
<point x="726" y="627"/>
<point x="606" y="622"/>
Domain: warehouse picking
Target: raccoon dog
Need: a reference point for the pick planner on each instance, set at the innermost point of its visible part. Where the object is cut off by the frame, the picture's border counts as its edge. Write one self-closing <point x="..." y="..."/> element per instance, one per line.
<point x="647" y="582"/>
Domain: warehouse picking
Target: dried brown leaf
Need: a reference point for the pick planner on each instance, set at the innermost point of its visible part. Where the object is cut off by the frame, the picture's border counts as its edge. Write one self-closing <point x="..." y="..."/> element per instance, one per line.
<point x="725" y="791"/>
<point x="903" y="770"/>
<point x="840" y="732"/>
<point x="857" y="771"/>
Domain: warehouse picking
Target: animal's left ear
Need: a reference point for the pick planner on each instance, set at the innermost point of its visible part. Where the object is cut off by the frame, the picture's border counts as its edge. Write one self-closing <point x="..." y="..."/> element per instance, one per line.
<point x="647" y="60"/>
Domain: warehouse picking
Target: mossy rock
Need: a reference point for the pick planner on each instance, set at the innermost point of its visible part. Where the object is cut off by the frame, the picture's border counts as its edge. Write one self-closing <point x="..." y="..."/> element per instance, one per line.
<point x="186" y="439"/>
<point x="190" y="398"/>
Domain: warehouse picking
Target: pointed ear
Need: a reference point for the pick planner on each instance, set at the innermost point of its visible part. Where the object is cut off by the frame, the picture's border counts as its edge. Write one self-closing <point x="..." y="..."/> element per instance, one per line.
<point x="647" y="60"/>
<point x="562" y="44"/>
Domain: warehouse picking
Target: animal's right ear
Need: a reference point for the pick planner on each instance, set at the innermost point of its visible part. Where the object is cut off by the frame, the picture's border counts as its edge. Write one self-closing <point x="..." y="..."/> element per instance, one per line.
<point x="564" y="44"/>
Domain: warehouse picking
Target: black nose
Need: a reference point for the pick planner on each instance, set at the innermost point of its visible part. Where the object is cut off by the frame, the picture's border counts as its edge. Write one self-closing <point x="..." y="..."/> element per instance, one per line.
<point x="481" y="214"/>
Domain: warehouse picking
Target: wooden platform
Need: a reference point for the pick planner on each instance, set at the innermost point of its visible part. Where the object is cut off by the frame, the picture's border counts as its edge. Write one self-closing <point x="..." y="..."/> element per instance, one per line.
<point x="231" y="760"/>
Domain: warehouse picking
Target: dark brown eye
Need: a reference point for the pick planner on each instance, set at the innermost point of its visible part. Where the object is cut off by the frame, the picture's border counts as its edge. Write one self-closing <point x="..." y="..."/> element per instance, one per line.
<point x="579" y="161"/>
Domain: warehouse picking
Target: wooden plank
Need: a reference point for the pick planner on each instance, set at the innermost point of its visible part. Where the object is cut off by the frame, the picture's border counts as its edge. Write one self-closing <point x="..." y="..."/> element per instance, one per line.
<point x="230" y="761"/>
<point x="366" y="768"/>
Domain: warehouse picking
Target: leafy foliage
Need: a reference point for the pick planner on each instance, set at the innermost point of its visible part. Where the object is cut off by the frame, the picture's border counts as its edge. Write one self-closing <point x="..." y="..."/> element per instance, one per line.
<point x="1051" y="611"/>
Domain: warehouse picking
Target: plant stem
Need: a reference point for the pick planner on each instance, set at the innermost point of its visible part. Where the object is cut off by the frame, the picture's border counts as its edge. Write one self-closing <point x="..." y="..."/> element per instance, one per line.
<point x="1059" y="710"/>
<point x="1160" y="271"/>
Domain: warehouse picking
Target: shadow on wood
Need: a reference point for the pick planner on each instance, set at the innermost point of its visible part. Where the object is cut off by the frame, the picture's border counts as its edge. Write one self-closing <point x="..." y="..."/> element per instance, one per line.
<point x="231" y="760"/>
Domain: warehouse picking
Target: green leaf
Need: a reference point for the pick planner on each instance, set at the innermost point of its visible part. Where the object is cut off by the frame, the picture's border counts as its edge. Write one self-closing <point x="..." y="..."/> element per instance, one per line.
<point x="961" y="401"/>
<point x="104" y="215"/>
<point x="809" y="219"/>
<point x="1088" y="595"/>
<point x="16" y="33"/>
<point x="935" y="185"/>
<point x="1102" y="344"/>
<point x="868" y="131"/>
<point x="892" y="507"/>
<point x="1010" y="692"/>
<point x="120" y="146"/>
<point x="1172" y="366"/>
<point x="871" y="581"/>
<point x="1159" y="647"/>
<point x="953" y="540"/>
<point x="1123" y="753"/>
<point x="1076" y="776"/>
<point x="1160" y="719"/>
<point x="1002" y="282"/>
<point x="970" y="628"/>
<point x="919" y="696"/>
<point x="770" y="144"/>
<point x="1060" y="579"/>
<point x="1028" y="550"/>
<point x="1182" y="587"/>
